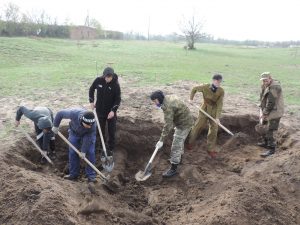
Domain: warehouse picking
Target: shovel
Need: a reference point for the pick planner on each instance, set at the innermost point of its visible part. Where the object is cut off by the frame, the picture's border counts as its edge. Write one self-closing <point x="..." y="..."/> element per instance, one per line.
<point x="108" y="162"/>
<point x="102" y="176"/>
<point x="144" y="175"/>
<point x="213" y="119"/>
<point x="37" y="147"/>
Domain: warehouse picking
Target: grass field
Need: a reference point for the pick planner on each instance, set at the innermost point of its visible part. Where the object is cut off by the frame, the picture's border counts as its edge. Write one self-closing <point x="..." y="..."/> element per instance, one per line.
<point x="29" y="65"/>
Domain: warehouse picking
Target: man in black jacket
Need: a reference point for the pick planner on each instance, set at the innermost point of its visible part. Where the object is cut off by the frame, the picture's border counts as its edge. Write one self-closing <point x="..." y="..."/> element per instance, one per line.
<point x="107" y="103"/>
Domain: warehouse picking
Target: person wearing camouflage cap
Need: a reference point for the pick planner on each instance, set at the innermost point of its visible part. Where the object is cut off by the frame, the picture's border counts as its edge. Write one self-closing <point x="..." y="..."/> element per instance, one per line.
<point x="178" y="116"/>
<point x="272" y="109"/>
<point x="213" y="95"/>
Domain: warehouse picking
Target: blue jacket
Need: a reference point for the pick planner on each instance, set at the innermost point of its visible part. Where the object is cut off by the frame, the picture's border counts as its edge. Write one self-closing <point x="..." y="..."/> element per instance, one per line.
<point x="88" y="135"/>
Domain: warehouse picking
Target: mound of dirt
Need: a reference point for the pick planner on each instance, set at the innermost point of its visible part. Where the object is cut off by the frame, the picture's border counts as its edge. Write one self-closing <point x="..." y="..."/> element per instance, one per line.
<point x="238" y="187"/>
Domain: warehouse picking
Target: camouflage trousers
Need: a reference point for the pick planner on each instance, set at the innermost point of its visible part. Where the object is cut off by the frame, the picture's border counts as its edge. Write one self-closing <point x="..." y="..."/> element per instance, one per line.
<point x="177" y="148"/>
<point x="266" y="131"/>
<point x="212" y="135"/>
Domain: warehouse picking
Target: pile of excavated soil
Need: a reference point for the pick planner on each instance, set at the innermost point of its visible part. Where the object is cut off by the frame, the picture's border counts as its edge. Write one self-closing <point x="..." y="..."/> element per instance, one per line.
<point x="239" y="187"/>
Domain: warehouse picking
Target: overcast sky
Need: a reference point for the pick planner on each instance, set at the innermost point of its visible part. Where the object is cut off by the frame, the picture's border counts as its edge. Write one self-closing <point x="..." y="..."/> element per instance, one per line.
<point x="267" y="20"/>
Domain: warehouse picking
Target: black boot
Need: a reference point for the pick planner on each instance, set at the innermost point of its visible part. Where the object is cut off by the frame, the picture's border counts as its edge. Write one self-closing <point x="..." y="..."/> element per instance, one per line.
<point x="43" y="159"/>
<point x="271" y="151"/>
<point x="52" y="155"/>
<point x="70" y="177"/>
<point x="263" y="143"/>
<point x="171" y="172"/>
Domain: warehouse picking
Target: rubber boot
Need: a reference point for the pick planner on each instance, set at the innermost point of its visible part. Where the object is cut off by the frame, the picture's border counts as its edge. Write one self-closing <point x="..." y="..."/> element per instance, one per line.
<point x="189" y="146"/>
<point x="69" y="177"/>
<point x="263" y="143"/>
<point x="271" y="151"/>
<point x="170" y="172"/>
<point x="43" y="159"/>
<point x="212" y="154"/>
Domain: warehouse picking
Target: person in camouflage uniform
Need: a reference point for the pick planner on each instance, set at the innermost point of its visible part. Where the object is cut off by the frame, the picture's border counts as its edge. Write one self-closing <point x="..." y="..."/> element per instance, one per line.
<point x="213" y="96"/>
<point x="178" y="116"/>
<point x="272" y="109"/>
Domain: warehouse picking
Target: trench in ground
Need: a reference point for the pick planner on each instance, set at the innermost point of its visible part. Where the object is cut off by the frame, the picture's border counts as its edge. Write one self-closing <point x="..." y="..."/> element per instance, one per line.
<point x="157" y="197"/>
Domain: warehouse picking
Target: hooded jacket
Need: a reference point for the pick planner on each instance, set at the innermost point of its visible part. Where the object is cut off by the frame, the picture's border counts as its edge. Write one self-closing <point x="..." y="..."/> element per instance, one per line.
<point x="42" y="118"/>
<point x="108" y="95"/>
<point x="88" y="135"/>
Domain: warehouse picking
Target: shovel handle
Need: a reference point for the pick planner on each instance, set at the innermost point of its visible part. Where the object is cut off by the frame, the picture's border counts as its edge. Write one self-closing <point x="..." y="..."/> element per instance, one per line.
<point x="151" y="159"/>
<point x="85" y="159"/>
<point x="37" y="147"/>
<point x="260" y="116"/>
<point x="213" y="119"/>
<point x="153" y="155"/>
<point x="100" y="133"/>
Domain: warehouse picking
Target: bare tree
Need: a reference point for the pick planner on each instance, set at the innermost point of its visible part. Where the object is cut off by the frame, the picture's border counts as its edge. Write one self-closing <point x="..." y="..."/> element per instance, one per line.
<point x="12" y="12"/>
<point x="192" y="30"/>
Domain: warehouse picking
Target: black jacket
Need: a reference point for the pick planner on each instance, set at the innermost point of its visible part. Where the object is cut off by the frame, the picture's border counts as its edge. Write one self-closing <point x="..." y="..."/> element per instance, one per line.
<point x="108" y="95"/>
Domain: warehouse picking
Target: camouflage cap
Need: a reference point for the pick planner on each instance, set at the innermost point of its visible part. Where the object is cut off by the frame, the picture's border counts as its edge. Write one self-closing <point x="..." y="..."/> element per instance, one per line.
<point x="265" y="75"/>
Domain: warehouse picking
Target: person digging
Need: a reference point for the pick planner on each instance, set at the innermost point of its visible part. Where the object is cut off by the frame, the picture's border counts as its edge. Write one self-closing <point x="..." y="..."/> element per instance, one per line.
<point x="271" y="111"/>
<point x="82" y="135"/>
<point x="108" y="99"/>
<point x="178" y="116"/>
<point x="42" y="118"/>
<point x="213" y="95"/>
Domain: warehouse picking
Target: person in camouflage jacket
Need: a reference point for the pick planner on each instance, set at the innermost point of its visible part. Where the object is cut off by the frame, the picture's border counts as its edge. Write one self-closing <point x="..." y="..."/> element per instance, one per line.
<point x="178" y="116"/>
<point x="272" y="109"/>
<point x="213" y="96"/>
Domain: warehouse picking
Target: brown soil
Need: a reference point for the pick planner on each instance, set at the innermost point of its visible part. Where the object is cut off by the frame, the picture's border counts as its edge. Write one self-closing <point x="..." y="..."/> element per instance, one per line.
<point x="237" y="188"/>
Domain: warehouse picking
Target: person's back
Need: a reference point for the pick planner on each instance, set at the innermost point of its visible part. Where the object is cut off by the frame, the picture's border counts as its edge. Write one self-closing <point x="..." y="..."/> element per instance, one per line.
<point x="173" y="106"/>
<point x="41" y="116"/>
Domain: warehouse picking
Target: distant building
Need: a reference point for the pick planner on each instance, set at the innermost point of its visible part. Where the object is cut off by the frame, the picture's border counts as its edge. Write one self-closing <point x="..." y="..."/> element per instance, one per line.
<point x="83" y="32"/>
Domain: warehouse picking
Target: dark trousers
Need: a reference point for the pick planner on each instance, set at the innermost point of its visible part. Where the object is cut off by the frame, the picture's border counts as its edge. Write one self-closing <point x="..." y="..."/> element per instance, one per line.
<point x="45" y="141"/>
<point x="74" y="160"/>
<point x="111" y="127"/>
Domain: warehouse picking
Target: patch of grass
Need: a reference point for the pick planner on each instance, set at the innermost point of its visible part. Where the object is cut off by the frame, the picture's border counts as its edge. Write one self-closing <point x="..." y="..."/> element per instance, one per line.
<point x="29" y="66"/>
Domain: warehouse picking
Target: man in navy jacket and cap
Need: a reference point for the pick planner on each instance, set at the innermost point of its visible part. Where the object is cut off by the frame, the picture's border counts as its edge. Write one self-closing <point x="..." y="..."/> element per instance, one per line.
<point x="82" y="134"/>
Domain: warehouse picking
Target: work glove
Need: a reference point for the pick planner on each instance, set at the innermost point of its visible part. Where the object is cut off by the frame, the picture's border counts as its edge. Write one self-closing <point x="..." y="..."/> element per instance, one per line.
<point x="159" y="144"/>
<point x="82" y="155"/>
<point x="55" y="130"/>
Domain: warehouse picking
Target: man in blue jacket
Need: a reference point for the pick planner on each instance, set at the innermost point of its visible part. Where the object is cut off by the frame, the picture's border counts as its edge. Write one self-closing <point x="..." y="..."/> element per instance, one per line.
<point x="82" y="134"/>
<point x="42" y="118"/>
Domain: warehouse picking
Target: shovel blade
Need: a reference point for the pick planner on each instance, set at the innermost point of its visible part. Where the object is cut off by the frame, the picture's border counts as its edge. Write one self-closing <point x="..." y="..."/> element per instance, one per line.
<point x="108" y="166"/>
<point x="107" y="163"/>
<point x="142" y="175"/>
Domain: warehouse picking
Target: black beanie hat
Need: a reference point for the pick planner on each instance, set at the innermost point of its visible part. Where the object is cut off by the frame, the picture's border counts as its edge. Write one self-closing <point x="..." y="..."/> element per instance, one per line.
<point x="217" y="77"/>
<point x="88" y="117"/>
<point x="159" y="95"/>
<point x="108" y="71"/>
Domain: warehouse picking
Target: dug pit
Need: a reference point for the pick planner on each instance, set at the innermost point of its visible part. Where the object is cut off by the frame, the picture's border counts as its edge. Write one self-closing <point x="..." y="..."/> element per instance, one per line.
<point x="228" y="190"/>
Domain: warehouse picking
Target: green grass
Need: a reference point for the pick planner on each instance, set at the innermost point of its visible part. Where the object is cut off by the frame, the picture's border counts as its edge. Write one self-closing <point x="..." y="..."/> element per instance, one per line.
<point x="30" y="65"/>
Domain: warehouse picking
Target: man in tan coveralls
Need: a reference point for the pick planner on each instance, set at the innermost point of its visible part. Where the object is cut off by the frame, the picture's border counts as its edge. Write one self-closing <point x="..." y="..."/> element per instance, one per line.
<point x="272" y="109"/>
<point x="213" y="96"/>
<point x="178" y="116"/>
